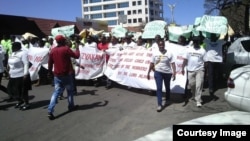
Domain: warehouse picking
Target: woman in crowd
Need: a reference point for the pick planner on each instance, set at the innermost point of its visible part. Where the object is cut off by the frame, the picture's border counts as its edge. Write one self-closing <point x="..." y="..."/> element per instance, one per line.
<point x="162" y="63"/>
<point x="19" y="81"/>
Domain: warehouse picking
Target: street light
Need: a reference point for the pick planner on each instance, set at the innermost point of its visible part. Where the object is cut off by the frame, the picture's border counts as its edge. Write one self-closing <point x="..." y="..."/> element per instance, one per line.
<point x="172" y="11"/>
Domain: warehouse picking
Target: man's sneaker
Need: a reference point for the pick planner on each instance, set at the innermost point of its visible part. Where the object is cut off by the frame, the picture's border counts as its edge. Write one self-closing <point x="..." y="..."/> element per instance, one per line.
<point x="51" y="116"/>
<point x="198" y="104"/>
<point x="159" y="108"/>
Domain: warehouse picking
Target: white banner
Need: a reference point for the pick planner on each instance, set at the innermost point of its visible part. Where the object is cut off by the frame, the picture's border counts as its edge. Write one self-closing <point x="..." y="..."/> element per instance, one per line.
<point x="37" y="57"/>
<point x="127" y="67"/>
<point x="93" y="61"/>
<point x="130" y="67"/>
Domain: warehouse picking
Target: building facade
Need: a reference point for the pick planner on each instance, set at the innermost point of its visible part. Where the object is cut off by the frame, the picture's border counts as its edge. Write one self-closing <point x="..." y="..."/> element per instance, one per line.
<point x="128" y="13"/>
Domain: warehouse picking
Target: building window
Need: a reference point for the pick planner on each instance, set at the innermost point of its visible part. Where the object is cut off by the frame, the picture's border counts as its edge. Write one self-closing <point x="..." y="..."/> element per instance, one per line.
<point x="85" y="2"/>
<point x="96" y="16"/>
<point x="121" y="13"/>
<point x="95" y="8"/>
<point x="109" y="6"/>
<point x="94" y="1"/>
<point x="134" y="20"/>
<point x="146" y="2"/>
<point x="139" y="11"/>
<point x="112" y="22"/>
<point x="146" y="19"/>
<point x="138" y="2"/>
<point x="134" y="11"/>
<point x="111" y="14"/>
<point x="146" y="10"/>
<point x="86" y="16"/>
<point x="122" y="5"/>
<point x="152" y="12"/>
<point x="129" y="12"/>
<point x="140" y="20"/>
<point x="134" y="3"/>
<point x="129" y="21"/>
<point x="86" y="9"/>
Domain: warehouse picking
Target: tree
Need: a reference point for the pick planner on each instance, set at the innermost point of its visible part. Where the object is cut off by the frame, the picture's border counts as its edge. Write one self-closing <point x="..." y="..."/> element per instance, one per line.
<point x="236" y="11"/>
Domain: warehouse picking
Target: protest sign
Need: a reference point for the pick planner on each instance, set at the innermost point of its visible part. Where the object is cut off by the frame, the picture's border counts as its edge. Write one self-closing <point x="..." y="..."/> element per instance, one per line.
<point x="154" y="28"/>
<point x="37" y="57"/>
<point x="213" y="24"/>
<point x="93" y="61"/>
<point x="64" y="30"/>
<point x="176" y="31"/>
<point x="119" y="32"/>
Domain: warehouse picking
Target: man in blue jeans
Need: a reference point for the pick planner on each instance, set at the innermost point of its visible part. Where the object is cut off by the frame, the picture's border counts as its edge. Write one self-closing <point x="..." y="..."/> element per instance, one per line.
<point x="60" y="60"/>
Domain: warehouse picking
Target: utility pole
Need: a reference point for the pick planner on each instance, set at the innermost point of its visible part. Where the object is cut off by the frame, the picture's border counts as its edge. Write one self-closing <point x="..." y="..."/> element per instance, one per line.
<point x="172" y="6"/>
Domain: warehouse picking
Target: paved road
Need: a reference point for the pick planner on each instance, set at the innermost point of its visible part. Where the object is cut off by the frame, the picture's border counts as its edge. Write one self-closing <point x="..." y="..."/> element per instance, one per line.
<point x="117" y="114"/>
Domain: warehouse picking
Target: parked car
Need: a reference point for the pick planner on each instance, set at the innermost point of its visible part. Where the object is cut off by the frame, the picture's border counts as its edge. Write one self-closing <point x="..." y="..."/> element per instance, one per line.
<point x="238" y="54"/>
<point x="238" y="92"/>
<point x="237" y="95"/>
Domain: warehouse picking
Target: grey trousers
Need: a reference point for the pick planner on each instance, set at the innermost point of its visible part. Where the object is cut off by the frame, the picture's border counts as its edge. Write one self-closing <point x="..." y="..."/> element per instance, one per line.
<point x="195" y="83"/>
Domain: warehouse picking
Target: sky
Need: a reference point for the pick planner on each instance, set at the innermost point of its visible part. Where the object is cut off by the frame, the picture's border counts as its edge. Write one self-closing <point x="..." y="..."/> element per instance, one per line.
<point x="184" y="13"/>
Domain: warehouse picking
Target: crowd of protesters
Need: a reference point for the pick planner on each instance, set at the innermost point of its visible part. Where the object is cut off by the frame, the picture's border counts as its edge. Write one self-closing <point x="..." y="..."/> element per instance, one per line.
<point x="202" y="58"/>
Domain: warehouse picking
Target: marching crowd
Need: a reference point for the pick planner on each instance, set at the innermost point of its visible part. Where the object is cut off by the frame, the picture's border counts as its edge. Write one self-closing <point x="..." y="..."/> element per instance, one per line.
<point x="202" y="59"/>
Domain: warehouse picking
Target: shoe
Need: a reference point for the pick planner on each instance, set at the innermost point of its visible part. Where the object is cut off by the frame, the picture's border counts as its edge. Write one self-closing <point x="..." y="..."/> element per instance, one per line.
<point x="51" y="116"/>
<point x="159" y="108"/>
<point x="61" y="97"/>
<point x="18" y="105"/>
<point x="73" y="108"/>
<point x="25" y="107"/>
<point x="198" y="104"/>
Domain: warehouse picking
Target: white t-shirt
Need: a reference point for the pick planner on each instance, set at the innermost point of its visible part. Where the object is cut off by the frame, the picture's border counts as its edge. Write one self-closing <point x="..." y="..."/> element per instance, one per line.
<point x="18" y="63"/>
<point x="130" y="45"/>
<point x="112" y="48"/>
<point x="2" y="53"/>
<point x="195" y="58"/>
<point x="214" y="50"/>
<point x="162" y="61"/>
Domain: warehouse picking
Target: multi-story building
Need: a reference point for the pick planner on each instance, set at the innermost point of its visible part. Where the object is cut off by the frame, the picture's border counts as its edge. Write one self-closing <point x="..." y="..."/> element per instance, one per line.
<point x="129" y="13"/>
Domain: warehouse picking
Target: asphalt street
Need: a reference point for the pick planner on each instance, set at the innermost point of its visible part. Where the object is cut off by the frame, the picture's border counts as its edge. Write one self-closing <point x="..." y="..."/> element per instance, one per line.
<point x="117" y="114"/>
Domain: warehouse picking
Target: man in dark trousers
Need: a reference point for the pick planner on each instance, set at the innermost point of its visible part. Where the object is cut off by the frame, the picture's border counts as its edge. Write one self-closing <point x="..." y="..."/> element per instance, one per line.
<point x="60" y="63"/>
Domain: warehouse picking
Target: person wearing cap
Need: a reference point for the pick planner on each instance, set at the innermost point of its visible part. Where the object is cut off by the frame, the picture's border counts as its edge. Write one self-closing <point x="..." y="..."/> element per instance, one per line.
<point x="60" y="65"/>
<point x="195" y="66"/>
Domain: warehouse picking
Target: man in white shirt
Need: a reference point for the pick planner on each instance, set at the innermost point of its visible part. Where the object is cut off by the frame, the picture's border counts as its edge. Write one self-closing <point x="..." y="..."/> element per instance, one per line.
<point x="194" y="62"/>
<point x="214" y="59"/>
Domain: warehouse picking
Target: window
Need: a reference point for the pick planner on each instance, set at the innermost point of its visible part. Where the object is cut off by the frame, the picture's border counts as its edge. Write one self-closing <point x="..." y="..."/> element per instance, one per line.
<point x="95" y="8"/>
<point x="112" y="22"/>
<point x="134" y="11"/>
<point x="138" y="2"/>
<point x="134" y="20"/>
<point x="121" y="13"/>
<point x="122" y="5"/>
<point x="85" y="1"/>
<point x="139" y="11"/>
<point x="129" y="12"/>
<point x="111" y="14"/>
<point x="146" y="19"/>
<point x="129" y="21"/>
<point x="86" y="9"/>
<point x="151" y="12"/>
<point x="109" y="6"/>
<point x="134" y="3"/>
<point x="146" y="10"/>
<point x="140" y="20"/>
<point x="86" y="16"/>
<point x="94" y="1"/>
<point x="96" y="16"/>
